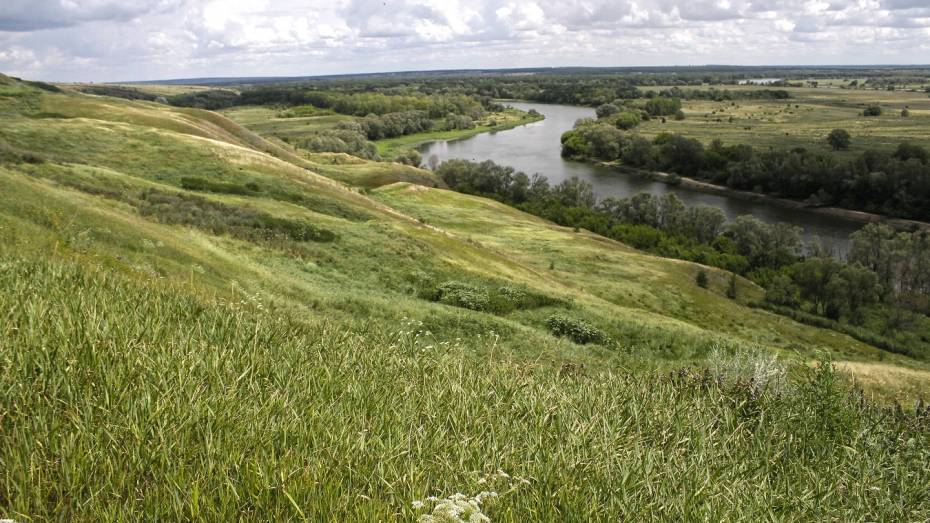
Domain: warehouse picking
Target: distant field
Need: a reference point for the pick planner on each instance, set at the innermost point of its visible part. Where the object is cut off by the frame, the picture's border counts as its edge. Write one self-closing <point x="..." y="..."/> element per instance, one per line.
<point x="267" y="122"/>
<point x="805" y="119"/>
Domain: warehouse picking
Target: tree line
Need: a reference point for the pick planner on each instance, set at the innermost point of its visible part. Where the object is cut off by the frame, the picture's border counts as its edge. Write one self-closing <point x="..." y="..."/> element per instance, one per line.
<point x="879" y="294"/>
<point x="350" y="103"/>
<point x="894" y="183"/>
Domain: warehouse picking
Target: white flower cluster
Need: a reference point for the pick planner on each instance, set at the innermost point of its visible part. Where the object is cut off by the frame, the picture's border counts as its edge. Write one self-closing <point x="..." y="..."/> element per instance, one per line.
<point x="457" y="508"/>
<point x="460" y="508"/>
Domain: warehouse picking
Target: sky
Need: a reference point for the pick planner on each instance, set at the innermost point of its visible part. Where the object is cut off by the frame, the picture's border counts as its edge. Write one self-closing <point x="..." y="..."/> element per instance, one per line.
<point x="118" y="40"/>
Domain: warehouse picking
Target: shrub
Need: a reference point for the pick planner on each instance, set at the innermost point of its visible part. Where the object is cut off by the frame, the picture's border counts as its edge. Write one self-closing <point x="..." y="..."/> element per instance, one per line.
<point x="579" y="331"/>
<point x="459" y="294"/>
<point x="410" y="157"/>
<point x="521" y="298"/>
<point x="839" y="139"/>
<point x="731" y="287"/>
<point x="218" y="218"/>
<point x="872" y="110"/>
<point x="701" y="279"/>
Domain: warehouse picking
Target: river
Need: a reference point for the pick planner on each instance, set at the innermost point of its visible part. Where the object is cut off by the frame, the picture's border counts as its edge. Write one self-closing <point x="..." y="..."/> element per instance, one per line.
<point x="535" y="148"/>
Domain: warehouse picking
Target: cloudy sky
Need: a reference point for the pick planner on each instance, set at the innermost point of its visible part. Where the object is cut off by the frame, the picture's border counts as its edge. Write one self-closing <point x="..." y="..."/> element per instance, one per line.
<point x="111" y="40"/>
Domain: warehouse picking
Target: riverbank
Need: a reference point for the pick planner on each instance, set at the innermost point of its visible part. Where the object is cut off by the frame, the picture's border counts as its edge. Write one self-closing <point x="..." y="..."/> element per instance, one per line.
<point x="835" y="212"/>
<point x="501" y="121"/>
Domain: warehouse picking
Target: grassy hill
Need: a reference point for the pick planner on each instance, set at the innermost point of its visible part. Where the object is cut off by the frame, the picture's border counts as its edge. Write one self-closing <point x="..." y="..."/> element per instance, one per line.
<point x="198" y="323"/>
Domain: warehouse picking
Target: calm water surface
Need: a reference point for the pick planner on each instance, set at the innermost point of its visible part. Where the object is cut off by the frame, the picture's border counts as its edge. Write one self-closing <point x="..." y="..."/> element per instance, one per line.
<point x="535" y="148"/>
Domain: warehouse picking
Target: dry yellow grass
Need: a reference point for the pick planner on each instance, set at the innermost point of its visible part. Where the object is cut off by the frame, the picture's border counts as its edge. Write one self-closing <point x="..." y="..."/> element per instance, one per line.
<point x="889" y="382"/>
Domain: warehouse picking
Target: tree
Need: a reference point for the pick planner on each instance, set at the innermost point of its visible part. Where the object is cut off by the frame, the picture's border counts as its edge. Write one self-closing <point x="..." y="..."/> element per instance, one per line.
<point x="782" y="291"/>
<point x="639" y="152"/>
<point x="905" y="113"/>
<point x="606" y="110"/>
<point x="681" y="155"/>
<point x="663" y="106"/>
<point x="701" y="279"/>
<point x="906" y="151"/>
<point x="851" y="288"/>
<point x="679" y="115"/>
<point x="626" y="120"/>
<point x="872" y="110"/>
<point x="731" y="287"/>
<point x="575" y="192"/>
<point x="839" y="139"/>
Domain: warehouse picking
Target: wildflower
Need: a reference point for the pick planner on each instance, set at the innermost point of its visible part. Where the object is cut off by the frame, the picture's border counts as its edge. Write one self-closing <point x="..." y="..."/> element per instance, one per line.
<point x="417" y="505"/>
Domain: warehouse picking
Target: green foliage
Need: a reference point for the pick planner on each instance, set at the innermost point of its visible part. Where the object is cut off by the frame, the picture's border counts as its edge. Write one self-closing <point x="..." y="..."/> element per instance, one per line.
<point x="839" y="139"/>
<point x="579" y="331"/>
<point x="117" y="91"/>
<point x="463" y="295"/>
<point x="663" y="106"/>
<point x="731" y="287"/>
<point x="410" y="157"/>
<point x="210" y="99"/>
<point x="626" y="120"/>
<point x="606" y="110"/>
<point x="701" y="279"/>
<point x="500" y="300"/>
<point x="594" y="139"/>
<point x="218" y="218"/>
<point x="341" y="140"/>
<point x="872" y="110"/>
<point x="907" y="151"/>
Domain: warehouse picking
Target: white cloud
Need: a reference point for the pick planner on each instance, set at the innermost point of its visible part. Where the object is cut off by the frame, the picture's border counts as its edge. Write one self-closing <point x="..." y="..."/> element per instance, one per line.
<point x="146" y="39"/>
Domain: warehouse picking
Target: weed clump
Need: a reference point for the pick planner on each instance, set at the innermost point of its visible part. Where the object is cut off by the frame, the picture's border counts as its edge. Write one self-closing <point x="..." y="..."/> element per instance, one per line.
<point x="579" y="331"/>
<point x="9" y="154"/>
<point x="463" y="295"/>
<point x="499" y="300"/>
<point x="192" y="183"/>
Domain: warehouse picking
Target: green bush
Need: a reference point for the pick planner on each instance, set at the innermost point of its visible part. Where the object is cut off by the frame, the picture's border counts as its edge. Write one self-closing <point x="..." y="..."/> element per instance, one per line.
<point x="701" y="279"/>
<point x="459" y="294"/>
<point x="579" y="331"/>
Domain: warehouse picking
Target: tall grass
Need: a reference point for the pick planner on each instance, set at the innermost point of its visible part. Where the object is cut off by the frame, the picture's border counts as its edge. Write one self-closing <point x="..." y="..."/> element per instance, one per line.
<point x="125" y="400"/>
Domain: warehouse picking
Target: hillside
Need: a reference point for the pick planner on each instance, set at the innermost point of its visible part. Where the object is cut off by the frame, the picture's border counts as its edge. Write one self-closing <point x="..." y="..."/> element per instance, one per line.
<point x="201" y="324"/>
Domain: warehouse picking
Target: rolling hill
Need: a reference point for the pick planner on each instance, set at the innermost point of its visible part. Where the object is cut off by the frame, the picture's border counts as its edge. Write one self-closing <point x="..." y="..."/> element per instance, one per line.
<point x="198" y="323"/>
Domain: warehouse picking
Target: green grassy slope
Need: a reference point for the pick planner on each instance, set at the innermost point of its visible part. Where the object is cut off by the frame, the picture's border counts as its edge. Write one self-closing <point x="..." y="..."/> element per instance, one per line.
<point x="200" y="324"/>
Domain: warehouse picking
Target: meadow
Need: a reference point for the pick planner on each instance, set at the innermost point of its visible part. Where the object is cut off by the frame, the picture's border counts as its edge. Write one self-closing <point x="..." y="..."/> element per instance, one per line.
<point x="198" y="323"/>
<point x="803" y="120"/>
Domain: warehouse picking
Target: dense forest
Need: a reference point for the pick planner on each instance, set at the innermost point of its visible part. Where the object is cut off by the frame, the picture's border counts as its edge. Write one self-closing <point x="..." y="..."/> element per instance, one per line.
<point x="879" y="294"/>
